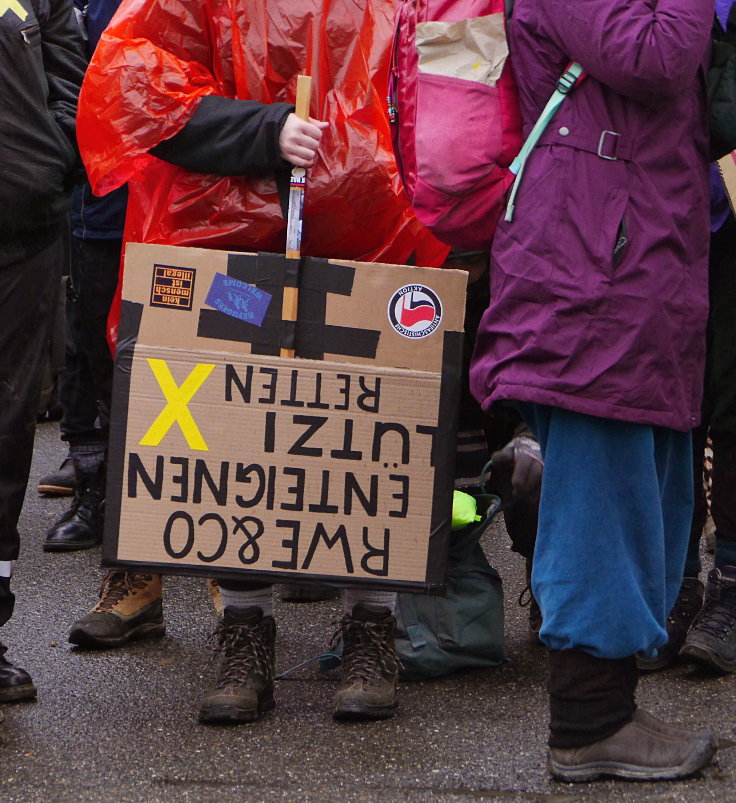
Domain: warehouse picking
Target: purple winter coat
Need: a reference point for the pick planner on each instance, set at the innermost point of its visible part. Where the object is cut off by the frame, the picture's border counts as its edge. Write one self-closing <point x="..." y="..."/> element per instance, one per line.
<point x="599" y="284"/>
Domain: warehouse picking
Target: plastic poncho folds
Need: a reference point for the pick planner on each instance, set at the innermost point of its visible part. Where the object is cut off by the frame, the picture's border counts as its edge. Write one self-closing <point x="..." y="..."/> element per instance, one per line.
<point x="156" y="61"/>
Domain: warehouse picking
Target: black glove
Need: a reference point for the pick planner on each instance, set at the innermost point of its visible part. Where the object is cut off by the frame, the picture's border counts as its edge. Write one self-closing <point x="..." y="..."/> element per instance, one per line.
<point x="523" y="457"/>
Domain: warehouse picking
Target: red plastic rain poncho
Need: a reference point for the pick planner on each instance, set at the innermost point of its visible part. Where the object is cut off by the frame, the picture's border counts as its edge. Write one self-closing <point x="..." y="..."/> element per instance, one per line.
<point x="159" y="57"/>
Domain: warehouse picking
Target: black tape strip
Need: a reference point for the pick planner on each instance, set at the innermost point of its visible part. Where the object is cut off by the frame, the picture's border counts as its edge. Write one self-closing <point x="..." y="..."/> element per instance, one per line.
<point x="312" y="314"/>
<point x="131" y="314"/>
<point x="263" y="269"/>
<point x="292" y="271"/>
<point x="444" y="460"/>
<point x="288" y="334"/>
<point x="219" y="326"/>
<point x="128" y="328"/>
<point x="316" y="339"/>
<point x="322" y="275"/>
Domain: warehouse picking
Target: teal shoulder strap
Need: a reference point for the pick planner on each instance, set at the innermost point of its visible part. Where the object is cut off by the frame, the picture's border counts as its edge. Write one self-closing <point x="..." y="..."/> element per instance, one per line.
<point x="572" y="76"/>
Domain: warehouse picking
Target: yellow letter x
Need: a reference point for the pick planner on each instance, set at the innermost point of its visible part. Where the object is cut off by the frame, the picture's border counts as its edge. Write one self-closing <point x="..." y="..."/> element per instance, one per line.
<point x="15" y="7"/>
<point x="176" y="408"/>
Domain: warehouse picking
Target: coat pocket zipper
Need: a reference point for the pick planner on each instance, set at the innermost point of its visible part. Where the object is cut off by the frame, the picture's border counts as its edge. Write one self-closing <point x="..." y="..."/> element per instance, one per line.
<point x="621" y="239"/>
<point x="31" y="34"/>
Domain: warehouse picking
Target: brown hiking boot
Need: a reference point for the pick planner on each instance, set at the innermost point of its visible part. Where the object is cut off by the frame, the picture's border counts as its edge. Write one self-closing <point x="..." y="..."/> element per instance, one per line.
<point x="244" y="689"/>
<point x="130" y="607"/>
<point x="645" y="749"/>
<point x="213" y="587"/>
<point x="656" y="724"/>
<point x="370" y="666"/>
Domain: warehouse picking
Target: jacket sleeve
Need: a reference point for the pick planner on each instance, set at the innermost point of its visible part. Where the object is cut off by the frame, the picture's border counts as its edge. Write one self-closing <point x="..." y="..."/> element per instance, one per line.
<point x="228" y="137"/>
<point x="150" y="69"/>
<point x="646" y="50"/>
<point x="64" y="64"/>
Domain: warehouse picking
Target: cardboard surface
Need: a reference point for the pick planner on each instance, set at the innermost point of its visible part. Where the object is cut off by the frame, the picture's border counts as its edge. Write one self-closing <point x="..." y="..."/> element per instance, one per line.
<point x="227" y="459"/>
<point x="727" y="166"/>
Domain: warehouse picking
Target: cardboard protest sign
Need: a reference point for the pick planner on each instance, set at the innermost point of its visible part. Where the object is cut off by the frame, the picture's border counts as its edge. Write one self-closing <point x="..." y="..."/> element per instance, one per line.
<point x="227" y="459"/>
<point x="727" y="167"/>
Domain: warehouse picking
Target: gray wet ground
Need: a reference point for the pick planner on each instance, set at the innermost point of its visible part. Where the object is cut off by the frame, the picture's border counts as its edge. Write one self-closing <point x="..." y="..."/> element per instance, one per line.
<point x="121" y="725"/>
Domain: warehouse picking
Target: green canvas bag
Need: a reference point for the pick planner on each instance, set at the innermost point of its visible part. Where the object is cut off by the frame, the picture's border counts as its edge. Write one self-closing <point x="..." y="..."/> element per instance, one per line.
<point x="436" y="636"/>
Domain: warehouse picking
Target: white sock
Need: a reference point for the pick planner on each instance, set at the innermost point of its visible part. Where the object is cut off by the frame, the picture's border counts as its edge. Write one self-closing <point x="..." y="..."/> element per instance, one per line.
<point x="257" y="598"/>
<point x="352" y="596"/>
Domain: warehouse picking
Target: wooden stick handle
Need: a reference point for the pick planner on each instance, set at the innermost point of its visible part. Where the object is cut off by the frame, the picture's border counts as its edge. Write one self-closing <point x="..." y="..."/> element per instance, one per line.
<point x="303" y="95"/>
<point x="291" y="294"/>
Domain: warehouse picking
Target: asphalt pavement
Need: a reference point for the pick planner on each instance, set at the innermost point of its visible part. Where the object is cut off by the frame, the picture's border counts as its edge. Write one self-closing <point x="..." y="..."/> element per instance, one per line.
<point x="121" y="725"/>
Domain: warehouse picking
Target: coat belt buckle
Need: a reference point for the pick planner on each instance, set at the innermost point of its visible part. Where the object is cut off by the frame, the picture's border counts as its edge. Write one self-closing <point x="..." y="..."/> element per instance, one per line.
<point x="601" y="143"/>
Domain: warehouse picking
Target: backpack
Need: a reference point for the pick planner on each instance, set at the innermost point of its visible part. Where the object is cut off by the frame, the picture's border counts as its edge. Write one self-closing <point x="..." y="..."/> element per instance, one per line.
<point x="464" y="629"/>
<point x="455" y="118"/>
<point x="436" y="636"/>
<point x="454" y="113"/>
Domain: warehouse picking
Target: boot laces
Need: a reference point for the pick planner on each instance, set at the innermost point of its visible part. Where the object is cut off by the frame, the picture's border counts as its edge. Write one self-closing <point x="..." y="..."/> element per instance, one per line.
<point x="527" y="600"/>
<point x="718" y="616"/>
<point x="526" y="597"/>
<point x="89" y="495"/>
<point x="245" y="654"/>
<point x="116" y="586"/>
<point x="84" y="503"/>
<point x="73" y="508"/>
<point x="369" y="650"/>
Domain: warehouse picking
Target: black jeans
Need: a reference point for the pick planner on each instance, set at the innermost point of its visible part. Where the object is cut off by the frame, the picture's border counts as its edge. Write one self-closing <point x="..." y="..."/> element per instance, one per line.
<point x="521" y="515"/>
<point x="86" y="385"/>
<point x="29" y="282"/>
<point x="719" y="407"/>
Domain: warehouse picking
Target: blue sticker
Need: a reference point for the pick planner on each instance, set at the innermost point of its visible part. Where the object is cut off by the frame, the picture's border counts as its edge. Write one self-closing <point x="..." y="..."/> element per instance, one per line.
<point x="238" y="299"/>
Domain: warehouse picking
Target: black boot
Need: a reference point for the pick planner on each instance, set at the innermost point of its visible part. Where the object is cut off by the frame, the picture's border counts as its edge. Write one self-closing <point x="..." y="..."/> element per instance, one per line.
<point x="244" y="688"/>
<point x="370" y="666"/>
<point x="711" y="642"/>
<point x="15" y="683"/>
<point x="687" y="606"/>
<point x="81" y="526"/>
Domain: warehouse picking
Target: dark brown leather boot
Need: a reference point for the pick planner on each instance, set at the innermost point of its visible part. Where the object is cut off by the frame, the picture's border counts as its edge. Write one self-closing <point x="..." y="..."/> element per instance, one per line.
<point x="244" y="688"/>
<point x="370" y="666"/>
